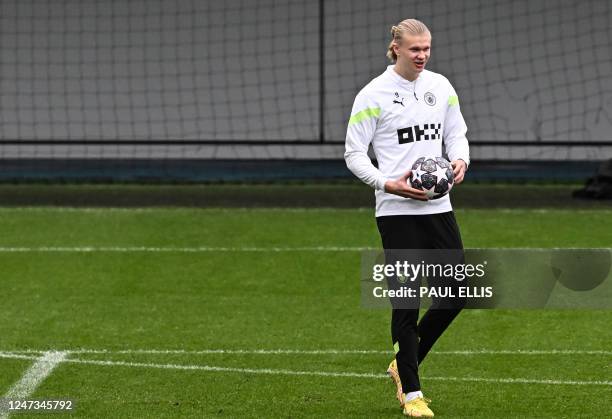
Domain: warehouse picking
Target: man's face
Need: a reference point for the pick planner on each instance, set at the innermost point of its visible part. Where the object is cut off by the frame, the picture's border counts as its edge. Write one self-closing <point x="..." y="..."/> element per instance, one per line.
<point x="413" y="51"/>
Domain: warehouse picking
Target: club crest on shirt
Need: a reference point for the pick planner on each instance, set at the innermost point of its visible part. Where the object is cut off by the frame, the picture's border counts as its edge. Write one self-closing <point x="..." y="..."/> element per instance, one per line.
<point x="430" y="99"/>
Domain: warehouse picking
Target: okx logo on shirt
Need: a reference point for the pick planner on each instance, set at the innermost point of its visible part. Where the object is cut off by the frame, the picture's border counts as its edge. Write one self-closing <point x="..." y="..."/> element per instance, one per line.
<point x="418" y="133"/>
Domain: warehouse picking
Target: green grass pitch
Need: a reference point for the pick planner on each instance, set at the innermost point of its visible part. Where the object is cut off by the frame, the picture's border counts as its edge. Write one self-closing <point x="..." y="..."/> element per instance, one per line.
<point x="129" y="314"/>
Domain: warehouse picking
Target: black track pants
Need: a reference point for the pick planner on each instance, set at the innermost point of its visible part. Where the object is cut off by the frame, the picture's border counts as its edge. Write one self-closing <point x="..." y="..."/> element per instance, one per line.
<point x="413" y="338"/>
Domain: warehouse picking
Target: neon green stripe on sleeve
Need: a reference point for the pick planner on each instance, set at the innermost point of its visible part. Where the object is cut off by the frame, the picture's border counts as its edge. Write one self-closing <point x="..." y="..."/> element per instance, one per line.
<point x="364" y="114"/>
<point x="453" y="100"/>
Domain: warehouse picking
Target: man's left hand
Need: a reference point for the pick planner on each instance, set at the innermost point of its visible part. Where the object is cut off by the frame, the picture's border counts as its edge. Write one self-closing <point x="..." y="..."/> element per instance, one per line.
<point x="459" y="169"/>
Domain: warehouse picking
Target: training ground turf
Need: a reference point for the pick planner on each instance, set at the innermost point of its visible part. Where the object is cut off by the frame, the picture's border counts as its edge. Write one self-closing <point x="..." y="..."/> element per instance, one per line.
<point x="195" y="332"/>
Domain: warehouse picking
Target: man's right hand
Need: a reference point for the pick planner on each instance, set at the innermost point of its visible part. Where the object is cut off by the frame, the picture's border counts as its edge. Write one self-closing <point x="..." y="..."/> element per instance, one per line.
<point x="401" y="187"/>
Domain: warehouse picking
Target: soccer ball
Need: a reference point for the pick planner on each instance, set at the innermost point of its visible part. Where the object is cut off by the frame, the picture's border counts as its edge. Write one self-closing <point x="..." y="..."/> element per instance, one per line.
<point x="434" y="175"/>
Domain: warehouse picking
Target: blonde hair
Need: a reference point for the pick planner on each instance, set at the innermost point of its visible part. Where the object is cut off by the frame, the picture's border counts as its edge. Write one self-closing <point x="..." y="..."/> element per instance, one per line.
<point x="408" y="26"/>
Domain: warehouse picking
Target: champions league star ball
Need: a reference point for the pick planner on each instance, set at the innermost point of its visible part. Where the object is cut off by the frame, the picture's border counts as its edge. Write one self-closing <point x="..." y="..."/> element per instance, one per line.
<point x="434" y="175"/>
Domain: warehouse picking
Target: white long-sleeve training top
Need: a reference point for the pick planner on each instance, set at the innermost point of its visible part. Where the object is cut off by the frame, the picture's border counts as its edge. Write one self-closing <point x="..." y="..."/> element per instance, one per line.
<point x="404" y="120"/>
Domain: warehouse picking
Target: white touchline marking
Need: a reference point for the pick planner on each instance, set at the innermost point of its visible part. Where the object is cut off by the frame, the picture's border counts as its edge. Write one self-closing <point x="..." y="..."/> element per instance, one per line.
<point x="17" y="355"/>
<point x="326" y="373"/>
<point x="202" y="249"/>
<point x="525" y="352"/>
<point x="220" y="351"/>
<point x="521" y="381"/>
<point x="38" y="371"/>
<point x="320" y="352"/>
<point x="133" y="249"/>
<point x="267" y="371"/>
<point x="225" y="369"/>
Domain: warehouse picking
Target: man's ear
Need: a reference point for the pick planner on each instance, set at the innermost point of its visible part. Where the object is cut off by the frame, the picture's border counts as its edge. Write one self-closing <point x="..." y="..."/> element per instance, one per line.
<point x="396" y="48"/>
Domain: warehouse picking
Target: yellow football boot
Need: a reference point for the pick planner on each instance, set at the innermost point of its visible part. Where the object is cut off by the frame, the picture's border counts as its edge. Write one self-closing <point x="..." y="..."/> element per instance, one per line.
<point x="418" y="408"/>
<point x="394" y="374"/>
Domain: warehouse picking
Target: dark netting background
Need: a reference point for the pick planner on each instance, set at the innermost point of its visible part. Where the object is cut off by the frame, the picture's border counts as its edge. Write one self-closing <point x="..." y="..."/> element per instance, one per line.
<point x="166" y="79"/>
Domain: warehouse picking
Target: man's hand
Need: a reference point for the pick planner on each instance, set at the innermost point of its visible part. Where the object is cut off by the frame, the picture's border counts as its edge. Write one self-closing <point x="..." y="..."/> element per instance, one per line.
<point x="459" y="169"/>
<point x="402" y="188"/>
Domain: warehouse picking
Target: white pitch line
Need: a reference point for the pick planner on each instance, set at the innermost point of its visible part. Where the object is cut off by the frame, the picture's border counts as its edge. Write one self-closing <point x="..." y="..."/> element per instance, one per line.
<point x="220" y="351"/>
<point x="267" y="371"/>
<point x="329" y="374"/>
<point x="228" y="352"/>
<point x="277" y="249"/>
<point x="19" y="355"/>
<point x="525" y="352"/>
<point x="40" y="369"/>
<point x="521" y="381"/>
<point x="200" y="249"/>
<point x="319" y="352"/>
